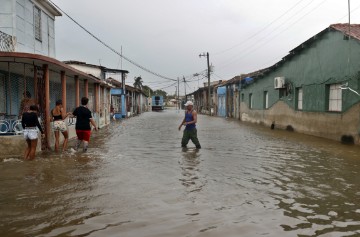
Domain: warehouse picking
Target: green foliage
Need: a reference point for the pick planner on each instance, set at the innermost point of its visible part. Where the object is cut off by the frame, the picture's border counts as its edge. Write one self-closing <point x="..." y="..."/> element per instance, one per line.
<point x="161" y="92"/>
<point x="147" y="90"/>
<point x="138" y="82"/>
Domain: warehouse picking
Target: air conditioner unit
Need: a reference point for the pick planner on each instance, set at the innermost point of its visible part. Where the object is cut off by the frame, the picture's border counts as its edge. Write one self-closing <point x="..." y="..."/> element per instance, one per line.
<point x="279" y="82"/>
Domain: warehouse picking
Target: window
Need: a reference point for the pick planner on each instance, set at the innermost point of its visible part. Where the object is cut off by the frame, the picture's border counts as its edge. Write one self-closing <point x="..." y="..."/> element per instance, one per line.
<point x="266" y="100"/>
<point x="2" y="93"/>
<point x="37" y="23"/>
<point x="299" y="98"/>
<point x="250" y="101"/>
<point x="335" y="98"/>
<point x="283" y="92"/>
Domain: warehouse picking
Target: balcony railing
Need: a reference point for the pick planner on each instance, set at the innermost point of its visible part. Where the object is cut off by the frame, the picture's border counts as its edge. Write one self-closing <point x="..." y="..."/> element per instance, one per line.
<point x="7" y="42"/>
<point x="10" y="125"/>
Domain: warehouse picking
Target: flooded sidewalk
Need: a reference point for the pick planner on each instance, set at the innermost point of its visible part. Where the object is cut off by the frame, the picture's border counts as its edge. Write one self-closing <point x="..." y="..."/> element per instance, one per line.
<point x="135" y="180"/>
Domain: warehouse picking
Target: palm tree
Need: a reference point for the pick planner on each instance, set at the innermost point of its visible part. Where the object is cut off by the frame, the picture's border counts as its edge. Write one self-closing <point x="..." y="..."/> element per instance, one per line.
<point x="138" y="82"/>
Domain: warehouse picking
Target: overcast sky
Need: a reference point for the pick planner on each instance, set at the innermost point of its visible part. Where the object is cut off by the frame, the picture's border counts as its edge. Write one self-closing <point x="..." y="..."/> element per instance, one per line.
<point x="167" y="36"/>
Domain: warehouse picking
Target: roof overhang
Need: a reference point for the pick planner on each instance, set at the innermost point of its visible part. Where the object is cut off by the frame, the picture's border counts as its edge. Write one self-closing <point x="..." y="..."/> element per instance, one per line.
<point x="104" y="69"/>
<point x="39" y="61"/>
<point x="49" y="7"/>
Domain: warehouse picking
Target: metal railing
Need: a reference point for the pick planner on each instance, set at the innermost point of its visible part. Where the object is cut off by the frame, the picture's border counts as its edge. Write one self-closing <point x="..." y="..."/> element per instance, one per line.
<point x="7" y="42"/>
<point x="10" y="124"/>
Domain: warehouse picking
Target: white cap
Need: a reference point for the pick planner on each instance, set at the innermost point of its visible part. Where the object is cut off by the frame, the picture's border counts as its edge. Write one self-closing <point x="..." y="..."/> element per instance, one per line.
<point x="189" y="103"/>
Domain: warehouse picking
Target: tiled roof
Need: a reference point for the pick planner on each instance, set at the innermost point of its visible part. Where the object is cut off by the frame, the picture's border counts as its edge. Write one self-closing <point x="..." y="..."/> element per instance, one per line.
<point x="344" y="28"/>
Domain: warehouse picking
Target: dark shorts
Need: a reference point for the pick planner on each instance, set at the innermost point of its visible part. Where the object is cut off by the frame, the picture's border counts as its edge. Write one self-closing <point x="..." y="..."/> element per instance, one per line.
<point x="83" y="135"/>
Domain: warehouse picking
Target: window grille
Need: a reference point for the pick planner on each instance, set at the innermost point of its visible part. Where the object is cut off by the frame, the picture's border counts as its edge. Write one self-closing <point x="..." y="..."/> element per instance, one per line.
<point x="102" y="101"/>
<point x="15" y="80"/>
<point x="70" y="94"/>
<point x="81" y="89"/>
<point x="37" y="23"/>
<point x="55" y="88"/>
<point x="2" y="92"/>
<point x="7" y="42"/>
<point x="91" y="97"/>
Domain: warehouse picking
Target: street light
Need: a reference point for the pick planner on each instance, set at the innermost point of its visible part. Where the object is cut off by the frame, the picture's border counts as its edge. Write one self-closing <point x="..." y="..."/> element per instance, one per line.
<point x="208" y="72"/>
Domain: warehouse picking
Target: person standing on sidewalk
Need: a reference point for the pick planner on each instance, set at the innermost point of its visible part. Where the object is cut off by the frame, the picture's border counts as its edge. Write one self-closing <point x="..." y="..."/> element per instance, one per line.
<point x="82" y="125"/>
<point x="190" y="131"/>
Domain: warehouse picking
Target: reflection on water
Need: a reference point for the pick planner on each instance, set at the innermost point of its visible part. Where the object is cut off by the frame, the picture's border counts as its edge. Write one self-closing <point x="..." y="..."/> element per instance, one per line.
<point x="190" y="171"/>
<point x="135" y="180"/>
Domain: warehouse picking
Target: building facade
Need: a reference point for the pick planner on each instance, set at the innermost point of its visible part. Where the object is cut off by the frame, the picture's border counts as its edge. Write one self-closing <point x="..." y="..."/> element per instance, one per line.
<point x="313" y="90"/>
<point x="28" y="26"/>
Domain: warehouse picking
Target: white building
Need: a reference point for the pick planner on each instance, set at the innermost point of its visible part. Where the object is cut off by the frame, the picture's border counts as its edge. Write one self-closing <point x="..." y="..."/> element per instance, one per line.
<point x="28" y="26"/>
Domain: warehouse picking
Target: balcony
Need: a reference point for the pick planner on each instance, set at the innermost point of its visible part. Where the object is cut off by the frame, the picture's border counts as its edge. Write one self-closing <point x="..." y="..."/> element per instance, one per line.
<point x="7" y="42"/>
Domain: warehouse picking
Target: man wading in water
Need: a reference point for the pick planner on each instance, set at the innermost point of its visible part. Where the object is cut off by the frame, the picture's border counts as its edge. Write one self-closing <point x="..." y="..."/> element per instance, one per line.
<point x="190" y="131"/>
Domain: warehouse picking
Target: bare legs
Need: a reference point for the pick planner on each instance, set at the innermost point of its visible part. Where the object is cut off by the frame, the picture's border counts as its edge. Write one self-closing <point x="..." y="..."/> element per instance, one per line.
<point x="66" y="138"/>
<point x="27" y="150"/>
<point x="78" y="143"/>
<point x="31" y="149"/>
<point x="57" y="140"/>
<point x="57" y="137"/>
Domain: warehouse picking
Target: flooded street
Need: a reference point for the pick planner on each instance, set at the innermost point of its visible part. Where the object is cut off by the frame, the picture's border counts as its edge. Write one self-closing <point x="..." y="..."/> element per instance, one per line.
<point x="135" y="180"/>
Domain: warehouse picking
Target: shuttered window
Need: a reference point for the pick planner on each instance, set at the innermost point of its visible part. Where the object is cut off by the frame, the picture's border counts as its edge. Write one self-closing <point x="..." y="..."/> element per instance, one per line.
<point x="300" y="99"/>
<point x="266" y="100"/>
<point x="250" y="101"/>
<point x="335" y="98"/>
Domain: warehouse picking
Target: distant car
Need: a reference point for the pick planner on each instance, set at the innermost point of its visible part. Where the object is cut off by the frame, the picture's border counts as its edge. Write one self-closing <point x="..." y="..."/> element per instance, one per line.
<point x="157" y="102"/>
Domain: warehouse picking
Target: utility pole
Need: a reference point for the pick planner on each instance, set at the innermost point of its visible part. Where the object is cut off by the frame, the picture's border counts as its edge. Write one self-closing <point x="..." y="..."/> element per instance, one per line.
<point x="208" y="72"/>
<point x="185" y="87"/>
<point x="176" y="99"/>
<point x="178" y="87"/>
<point x="198" y="79"/>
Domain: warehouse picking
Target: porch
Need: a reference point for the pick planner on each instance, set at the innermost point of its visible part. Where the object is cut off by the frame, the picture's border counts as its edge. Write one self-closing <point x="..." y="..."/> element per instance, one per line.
<point x="44" y="80"/>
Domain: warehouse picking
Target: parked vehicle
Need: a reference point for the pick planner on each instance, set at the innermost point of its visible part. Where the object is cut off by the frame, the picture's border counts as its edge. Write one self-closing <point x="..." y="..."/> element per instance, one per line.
<point x="157" y="102"/>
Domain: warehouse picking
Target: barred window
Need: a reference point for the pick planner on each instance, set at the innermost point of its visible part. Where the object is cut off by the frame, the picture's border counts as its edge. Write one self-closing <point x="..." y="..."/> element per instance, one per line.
<point x="37" y="23"/>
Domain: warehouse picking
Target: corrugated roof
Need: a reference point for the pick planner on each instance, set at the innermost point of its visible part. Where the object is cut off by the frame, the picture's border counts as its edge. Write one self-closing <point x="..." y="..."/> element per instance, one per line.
<point x="344" y="28"/>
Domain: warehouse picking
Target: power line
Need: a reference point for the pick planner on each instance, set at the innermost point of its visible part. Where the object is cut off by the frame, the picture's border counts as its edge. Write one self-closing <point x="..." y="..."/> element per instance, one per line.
<point x="258" y="44"/>
<point x="167" y="86"/>
<point x="112" y="49"/>
<point x="261" y="30"/>
<point x="352" y="11"/>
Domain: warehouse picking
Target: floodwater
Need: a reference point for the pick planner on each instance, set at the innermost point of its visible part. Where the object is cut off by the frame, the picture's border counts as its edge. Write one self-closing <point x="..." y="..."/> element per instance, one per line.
<point x="135" y="180"/>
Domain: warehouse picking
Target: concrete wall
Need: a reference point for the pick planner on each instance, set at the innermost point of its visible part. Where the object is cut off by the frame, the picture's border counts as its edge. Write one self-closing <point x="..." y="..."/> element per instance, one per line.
<point x="12" y="146"/>
<point x="313" y="68"/>
<point x="327" y="125"/>
<point x="88" y="70"/>
<point x="323" y="62"/>
<point x="7" y="21"/>
<point x="17" y="19"/>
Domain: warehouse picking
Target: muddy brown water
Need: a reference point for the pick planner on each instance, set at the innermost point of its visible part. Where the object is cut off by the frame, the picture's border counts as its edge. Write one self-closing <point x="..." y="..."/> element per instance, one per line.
<point x="135" y="180"/>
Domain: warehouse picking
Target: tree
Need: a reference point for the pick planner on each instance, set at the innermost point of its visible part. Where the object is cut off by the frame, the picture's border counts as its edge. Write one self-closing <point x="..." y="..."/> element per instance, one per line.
<point x="138" y="82"/>
<point x="161" y="92"/>
<point x="147" y="90"/>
